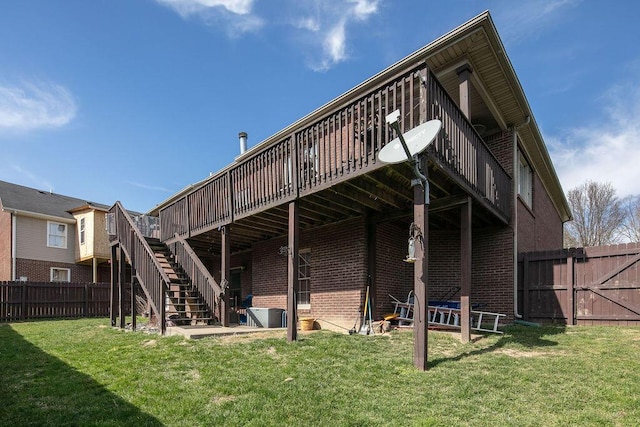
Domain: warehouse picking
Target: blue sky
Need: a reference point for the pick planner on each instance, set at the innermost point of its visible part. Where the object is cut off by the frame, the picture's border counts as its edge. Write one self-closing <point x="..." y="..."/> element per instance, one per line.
<point x="133" y="100"/>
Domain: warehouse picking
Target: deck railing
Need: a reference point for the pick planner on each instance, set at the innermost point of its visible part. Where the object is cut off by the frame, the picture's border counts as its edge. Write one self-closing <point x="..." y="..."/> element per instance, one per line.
<point x="338" y="146"/>
<point x="148" y="271"/>
<point x="459" y="148"/>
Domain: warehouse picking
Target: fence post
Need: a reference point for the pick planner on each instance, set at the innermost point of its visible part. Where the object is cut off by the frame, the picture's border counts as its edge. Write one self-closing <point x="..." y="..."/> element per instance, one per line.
<point x="23" y="314"/>
<point x="571" y="308"/>
<point x="86" y="300"/>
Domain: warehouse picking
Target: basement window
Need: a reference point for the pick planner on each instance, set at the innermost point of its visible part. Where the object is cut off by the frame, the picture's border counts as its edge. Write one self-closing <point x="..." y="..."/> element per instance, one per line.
<point x="304" y="279"/>
<point x="60" y="274"/>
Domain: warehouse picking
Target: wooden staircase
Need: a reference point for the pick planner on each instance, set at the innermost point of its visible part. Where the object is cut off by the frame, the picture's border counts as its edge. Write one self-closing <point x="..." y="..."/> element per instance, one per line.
<point x="183" y="303"/>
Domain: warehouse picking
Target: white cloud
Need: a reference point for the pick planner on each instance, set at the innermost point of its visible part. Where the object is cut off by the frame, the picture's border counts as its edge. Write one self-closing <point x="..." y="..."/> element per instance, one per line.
<point x="364" y="8"/>
<point x="325" y="23"/>
<point x="187" y="8"/>
<point x="329" y="28"/>
<point x="35" y="106"/>
<point x="606" y="151"/>
<point x="307" y="23"/>
<point x="151" y="187"/>
<point x="235" y="16"/>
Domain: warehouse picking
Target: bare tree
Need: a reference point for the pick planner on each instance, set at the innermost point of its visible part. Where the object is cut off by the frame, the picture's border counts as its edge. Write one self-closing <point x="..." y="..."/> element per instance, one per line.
<point x="631" y="224"/>
<point x="597" y="215"/>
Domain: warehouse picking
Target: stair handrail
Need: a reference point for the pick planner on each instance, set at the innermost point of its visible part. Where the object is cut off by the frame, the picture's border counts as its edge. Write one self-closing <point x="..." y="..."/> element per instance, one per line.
<point x="152" y="278"/>
<point x="200" y="277"/>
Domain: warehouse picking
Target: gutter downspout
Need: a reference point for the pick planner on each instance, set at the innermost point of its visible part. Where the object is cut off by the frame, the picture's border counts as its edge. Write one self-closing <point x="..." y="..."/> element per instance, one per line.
<point x="14" y="245"/>
<point x="516" y="180"/>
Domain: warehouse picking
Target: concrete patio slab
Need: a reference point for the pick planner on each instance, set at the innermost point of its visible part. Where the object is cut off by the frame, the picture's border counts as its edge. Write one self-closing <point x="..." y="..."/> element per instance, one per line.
<point x="202" y="331"/>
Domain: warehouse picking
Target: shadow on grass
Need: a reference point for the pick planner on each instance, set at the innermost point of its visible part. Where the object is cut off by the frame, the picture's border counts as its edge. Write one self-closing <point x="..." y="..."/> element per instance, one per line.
<point x="39" y="389"/>
<point x="517" y="336"/>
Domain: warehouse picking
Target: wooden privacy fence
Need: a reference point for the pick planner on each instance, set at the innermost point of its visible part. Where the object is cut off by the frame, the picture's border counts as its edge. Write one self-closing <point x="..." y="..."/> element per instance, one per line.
<point x="30" y="300"/>
<point x="587" y="286"/>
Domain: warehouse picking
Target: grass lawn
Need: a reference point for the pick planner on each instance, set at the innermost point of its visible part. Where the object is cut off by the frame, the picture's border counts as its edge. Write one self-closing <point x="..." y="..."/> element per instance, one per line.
<point x="84" y="373"/>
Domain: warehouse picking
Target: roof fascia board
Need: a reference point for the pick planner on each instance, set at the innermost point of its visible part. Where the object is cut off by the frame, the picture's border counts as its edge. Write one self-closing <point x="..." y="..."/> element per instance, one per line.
<point x="37" y="215"/>
<point x="550" y="177"/>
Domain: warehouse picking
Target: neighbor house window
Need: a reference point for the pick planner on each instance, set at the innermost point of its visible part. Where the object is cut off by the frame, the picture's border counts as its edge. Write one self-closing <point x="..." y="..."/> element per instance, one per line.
<point x="82" y="231"/>
<point x="60" y="274"/>
<point x="525" y="181"/>
<point x="57" y="235"/>
<point x="304" y="279"/>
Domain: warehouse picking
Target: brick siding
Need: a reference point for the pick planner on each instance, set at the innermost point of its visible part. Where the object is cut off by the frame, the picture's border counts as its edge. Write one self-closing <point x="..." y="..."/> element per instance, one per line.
<point x="501" y="145"/>
<point x="539" y="229"/>
<point x="40" y="271"/>
<point x="393" y="276"/>
<point x="338" y="271"/>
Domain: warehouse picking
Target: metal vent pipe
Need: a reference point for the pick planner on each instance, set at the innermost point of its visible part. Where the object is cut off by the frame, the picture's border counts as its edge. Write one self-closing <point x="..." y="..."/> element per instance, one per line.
<point x="243" y="142"/>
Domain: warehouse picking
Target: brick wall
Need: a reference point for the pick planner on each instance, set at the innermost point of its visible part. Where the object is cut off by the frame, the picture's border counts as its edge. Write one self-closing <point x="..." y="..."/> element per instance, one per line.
<point x="393" y="275"/>
<point x="339" y="269"/>
<point x="338" y="272"/>
<point x="242" y="261"/>
<point x="444" y="263"/>
<point x="492" y="269"/>
<point x="539" y="229"/>
<point x="5" y="246"/>
<point x="501" y="145"/>
<point x="40" y="271"/>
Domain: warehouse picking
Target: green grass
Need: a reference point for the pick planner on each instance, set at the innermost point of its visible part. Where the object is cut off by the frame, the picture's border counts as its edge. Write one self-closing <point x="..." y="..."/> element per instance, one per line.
<point x="83" y="372"/>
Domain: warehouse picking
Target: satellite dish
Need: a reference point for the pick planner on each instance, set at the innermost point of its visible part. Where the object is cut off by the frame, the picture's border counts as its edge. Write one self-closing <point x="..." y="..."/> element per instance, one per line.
<point x="417" y="140"/>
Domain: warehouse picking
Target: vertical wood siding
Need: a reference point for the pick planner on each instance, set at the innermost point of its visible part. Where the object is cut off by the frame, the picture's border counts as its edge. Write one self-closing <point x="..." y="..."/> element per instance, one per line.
<point x="593" y="285"/>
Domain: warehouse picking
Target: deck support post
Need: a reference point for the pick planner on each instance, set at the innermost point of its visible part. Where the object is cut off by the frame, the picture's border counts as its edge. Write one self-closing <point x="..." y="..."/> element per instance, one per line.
<point x="121" y="278"/>
<point x="464" y="74"/>
<point x="292" y="272"/>
<point x="465" y="271"/>
<point x="133" y="284"/>
<point x="420" y="277"/>
<point x="113" y="307"/>
<point x="226" y="275"/>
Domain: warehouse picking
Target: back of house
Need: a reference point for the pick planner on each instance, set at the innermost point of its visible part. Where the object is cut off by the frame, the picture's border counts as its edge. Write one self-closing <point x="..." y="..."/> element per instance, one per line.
<point x="311" y="220"/>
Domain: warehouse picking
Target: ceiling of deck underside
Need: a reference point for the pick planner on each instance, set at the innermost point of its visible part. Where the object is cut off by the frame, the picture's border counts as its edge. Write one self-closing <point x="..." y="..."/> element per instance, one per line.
<point x="492" y="102"/>
<point x="497" y="100"/>
<point x="382" y="195"/>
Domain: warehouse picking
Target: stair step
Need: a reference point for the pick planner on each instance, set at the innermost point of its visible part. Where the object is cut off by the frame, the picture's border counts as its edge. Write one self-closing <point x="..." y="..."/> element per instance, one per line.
<point x="183" y="302"/>
<point x="185" y="314"/>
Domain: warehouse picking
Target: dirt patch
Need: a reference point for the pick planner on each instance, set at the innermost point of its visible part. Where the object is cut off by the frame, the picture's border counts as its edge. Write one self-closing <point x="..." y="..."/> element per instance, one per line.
<point x="271" y="351"/>
<point x="219" y="400"/>
<point x="520" y="353"/>
<point x="194" y="374"/>
<point x="244" y="338"/>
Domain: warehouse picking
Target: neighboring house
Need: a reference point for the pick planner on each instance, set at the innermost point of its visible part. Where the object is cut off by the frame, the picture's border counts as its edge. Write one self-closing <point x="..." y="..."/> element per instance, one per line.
<point x="48" y="237"/>
<point x="309" y="218"/>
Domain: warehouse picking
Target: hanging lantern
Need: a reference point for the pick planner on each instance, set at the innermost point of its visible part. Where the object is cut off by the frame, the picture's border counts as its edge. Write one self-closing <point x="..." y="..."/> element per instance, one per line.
<point x="415" y="234"/>
<point x="411" y="257"/>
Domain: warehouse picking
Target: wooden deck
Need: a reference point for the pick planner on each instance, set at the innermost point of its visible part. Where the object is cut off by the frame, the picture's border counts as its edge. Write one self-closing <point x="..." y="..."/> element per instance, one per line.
<point x="330" y="165"/>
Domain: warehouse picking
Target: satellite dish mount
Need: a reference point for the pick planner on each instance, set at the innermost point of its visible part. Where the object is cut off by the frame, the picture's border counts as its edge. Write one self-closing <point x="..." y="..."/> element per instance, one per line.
<point x="406" y="148"/>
